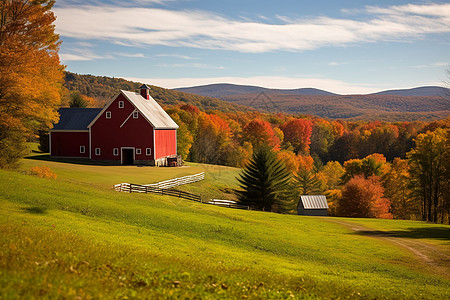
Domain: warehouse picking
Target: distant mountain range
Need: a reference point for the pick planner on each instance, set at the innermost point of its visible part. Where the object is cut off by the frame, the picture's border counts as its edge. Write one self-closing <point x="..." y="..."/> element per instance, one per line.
<point x="226" y="89"/>
<point x="220" y="90"/>
<point x="422" y="103"/>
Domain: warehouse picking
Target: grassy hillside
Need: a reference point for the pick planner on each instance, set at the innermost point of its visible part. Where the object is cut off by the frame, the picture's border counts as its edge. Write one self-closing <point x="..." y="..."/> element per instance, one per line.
<point x="74" y="237"/>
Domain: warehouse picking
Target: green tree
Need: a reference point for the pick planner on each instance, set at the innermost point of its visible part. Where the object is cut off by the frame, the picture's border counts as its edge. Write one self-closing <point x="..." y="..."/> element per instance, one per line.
<point x="367" y="167"/>
<point x="427" y="172"/>
<point x="30" y="74"/>
<point x="265" y="182"/>
<point x="76" y="100"/>
<point x="307" y="183"/>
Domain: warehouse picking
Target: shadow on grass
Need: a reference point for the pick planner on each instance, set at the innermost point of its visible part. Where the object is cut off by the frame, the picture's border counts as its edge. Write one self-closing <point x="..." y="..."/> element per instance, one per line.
<point x="38" y="210"/>
<point x="76" y="161"/>
<point x="437" y="233"/>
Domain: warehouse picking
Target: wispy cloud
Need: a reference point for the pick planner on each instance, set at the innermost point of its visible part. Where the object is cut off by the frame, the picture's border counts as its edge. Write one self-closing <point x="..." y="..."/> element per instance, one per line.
<point x="434" y="65"/>
<point x="82" y="55"/>
<point x="175" y="55"/>
<point x="132" y="55"/>
<point x="205" y="30"/>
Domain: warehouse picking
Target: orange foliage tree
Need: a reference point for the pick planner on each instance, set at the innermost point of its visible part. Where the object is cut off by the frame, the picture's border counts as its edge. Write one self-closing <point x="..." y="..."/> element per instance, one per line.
<point x="30" y="74"/>
<point x="363" y="198"/>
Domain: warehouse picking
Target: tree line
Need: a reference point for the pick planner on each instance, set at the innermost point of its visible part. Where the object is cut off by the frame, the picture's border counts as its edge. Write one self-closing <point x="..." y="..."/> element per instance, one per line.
<point x="367" y="169"/>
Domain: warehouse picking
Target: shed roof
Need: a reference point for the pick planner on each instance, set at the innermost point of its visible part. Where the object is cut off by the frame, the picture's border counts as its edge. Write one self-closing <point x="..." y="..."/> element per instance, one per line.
<point x="75" y="118"/>
<point x="314" y="201"/>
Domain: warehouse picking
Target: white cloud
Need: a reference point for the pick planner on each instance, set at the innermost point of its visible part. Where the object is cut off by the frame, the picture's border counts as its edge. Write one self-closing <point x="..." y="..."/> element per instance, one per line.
<point x="175" y="55"/>
<point x="199" y="29"/>
<point x="278" y="82"/>
<point x="133" y="55"/>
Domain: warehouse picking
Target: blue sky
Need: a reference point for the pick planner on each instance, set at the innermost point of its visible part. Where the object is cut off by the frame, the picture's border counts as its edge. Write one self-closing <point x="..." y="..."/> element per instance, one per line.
<point x="345" y="46"/>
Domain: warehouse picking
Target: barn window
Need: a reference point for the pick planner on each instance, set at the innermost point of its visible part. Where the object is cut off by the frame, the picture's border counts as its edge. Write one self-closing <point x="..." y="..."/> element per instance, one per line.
<point x="138" y="151"/>
<point x="121" y="104"/>
<point x="108" y="115"/>
<point x="82" y="149"/>
<point x="135" y="114"/>
<point x="148" y="151"/>
<point x="97" y="151"/>
<point x="116" y="151"/>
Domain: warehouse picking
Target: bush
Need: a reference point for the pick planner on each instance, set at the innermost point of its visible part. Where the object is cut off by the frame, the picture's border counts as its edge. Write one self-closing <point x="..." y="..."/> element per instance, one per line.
<point x="43" y="172"/>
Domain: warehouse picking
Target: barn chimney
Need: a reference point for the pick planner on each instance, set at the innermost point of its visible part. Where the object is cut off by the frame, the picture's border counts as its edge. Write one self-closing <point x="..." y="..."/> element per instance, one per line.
<point x="144" y="91"/>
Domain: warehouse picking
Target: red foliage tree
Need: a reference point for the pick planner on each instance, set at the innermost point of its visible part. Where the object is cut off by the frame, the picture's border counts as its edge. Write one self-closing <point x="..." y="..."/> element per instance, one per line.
<point x="363" y="198"/>
<point x="298" y="133"/>
<point x="259" y="132"/>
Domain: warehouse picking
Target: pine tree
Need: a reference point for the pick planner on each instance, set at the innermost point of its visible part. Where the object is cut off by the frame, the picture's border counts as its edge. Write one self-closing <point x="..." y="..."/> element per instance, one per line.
<point x="76" y="100"/>
<point x="265" y="182"/>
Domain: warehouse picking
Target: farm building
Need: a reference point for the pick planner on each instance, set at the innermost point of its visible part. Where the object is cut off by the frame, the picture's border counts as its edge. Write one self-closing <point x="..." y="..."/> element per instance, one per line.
<point x="132" y="128"/>
<point x="312" y="205"/>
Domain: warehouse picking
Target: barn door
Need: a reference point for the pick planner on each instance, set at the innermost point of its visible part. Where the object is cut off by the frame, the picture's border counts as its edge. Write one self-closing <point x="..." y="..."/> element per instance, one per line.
<point x="127" y="156"/>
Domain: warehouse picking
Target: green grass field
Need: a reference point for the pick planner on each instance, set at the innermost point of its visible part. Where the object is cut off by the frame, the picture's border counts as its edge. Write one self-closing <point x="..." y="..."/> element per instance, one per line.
<point x="74" y="237"/>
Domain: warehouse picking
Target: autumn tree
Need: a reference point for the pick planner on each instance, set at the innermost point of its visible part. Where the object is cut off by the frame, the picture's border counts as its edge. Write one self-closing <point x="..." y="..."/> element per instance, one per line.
<point x="427" y="172"/>
<point x="363" y="198"/>
<point x="259" y="133"/>
<point x="264" y="182"/>
<point x="211" y="140"/>
<point x="395" y="182"/>
<point x="298" y="133"/>
<point x="30" y="74"/>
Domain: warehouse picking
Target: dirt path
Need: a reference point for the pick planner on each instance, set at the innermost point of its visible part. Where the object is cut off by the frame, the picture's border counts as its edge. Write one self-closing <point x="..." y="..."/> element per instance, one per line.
<point x="435" y="258"/>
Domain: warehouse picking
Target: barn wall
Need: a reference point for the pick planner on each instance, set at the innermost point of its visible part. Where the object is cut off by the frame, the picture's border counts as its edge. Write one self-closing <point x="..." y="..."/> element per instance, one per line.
<point x="67" y="144"/>
<point x="165" y="142"/>
<point x="107" y="134"/>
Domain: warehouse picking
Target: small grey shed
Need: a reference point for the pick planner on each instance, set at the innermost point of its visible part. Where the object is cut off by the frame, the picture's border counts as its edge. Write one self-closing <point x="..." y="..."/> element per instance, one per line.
<point x="312" y="205"/>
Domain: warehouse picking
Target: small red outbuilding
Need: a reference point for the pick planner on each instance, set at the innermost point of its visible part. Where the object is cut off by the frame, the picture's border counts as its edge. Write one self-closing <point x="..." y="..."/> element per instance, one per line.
<point x="131" y="129"/>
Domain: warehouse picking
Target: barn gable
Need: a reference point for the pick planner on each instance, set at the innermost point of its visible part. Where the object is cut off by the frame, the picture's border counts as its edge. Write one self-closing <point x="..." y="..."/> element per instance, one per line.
<point x="312" y="205"/>
<point x="149" y="109"/>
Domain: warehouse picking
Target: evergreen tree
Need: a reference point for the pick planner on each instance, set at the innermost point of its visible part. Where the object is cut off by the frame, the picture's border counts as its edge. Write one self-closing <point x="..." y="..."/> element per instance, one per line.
<point x="265" y="182"/>
<point x="307" y="183"/>
<point x="76" y="100"/>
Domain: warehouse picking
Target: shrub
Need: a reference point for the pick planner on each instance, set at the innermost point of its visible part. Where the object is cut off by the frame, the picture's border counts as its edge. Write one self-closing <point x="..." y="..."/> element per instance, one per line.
<point x="43" y="172"/>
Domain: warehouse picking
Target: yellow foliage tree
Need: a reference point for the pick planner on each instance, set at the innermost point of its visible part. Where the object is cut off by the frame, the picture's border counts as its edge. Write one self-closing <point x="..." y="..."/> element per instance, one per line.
<point x="30" y="74"/>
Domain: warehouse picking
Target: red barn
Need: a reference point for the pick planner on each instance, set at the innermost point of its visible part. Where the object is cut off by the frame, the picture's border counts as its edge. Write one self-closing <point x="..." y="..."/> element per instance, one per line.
<point x="131" y="129"/>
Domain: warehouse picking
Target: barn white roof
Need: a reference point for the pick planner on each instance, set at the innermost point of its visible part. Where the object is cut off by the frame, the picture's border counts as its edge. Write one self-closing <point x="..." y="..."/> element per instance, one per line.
<point x="314" y="201"/>
<point x="151" y="110"/>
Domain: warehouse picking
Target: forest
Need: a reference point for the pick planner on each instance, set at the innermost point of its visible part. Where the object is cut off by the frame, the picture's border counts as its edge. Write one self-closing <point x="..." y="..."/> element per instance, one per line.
<point x="380" y="165"/>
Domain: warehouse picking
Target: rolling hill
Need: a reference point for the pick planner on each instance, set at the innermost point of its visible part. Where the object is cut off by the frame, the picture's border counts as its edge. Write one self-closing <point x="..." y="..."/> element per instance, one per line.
<point x="74" y="237"/>
<point x="103" y="88"/>
<point x="424" y="103"/>
<point x="220" y="90"/>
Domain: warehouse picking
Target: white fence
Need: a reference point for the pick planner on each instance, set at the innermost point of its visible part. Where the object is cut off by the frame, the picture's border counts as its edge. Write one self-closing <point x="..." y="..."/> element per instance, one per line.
<point x="166" y="184"/>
